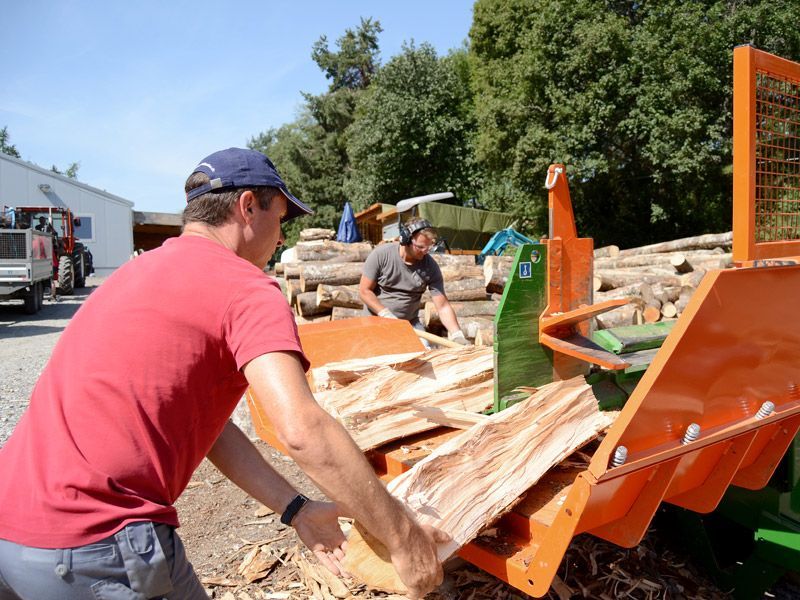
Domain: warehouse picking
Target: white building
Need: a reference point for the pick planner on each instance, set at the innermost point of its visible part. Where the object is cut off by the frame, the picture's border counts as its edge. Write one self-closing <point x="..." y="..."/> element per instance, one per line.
<point x="106" y="220"/>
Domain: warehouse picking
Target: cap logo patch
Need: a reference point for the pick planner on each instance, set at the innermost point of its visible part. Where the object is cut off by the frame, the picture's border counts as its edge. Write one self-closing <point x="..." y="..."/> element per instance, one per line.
<point x="215" y="183"/>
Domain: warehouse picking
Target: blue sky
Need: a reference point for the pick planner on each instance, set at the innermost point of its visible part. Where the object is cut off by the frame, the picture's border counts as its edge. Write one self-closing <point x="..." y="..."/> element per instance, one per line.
<point x="139" y="92"/>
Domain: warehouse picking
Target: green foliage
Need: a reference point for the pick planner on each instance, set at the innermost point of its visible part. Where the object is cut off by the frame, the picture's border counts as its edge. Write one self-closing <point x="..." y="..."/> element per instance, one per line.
<point x="71" y="171"/>
<point x="5" y="146"/>
<point x="356" y="60"/>
<point x="634" y="97"/>
<point x="413" y="130"/>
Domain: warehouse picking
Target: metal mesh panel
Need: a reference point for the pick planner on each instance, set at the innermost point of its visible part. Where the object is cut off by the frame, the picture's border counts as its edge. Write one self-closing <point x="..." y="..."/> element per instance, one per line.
<point x="777" y="202"/>
<point x="13" y="244"/>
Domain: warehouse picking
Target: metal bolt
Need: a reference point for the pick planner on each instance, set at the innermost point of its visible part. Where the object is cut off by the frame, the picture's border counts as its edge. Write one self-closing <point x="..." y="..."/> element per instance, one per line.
<point x="620" y="456"/>
<point x="765" y="410"/>
<point x="692" y="433"/>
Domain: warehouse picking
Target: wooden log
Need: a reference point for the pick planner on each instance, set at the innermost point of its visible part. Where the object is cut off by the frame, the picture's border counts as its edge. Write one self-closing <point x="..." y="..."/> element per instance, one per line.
<point x="629" y="314"/>
<point x="693" y="279"/>
<point x="307" y="306"/>
<point x="466" y="260"/>
<point x="380" y="406"/>
<point x="669" y="310"/>
<point x="462" y="309"/>
<point x="279" y="268"/>
<point x="709" y="240"/>
<point x="292" y="291"/>
<point x="484" y="337"/>
<point x="462" y="290"/>
<point x="606" y="252"/>
<point x="292" y="270"/>
<point x="607" y="280"/>
<point x="457" y="272"/>
<point x="330" y="251"/>
<point x="471" y="325"/>
<point x="340" y="312"/>
<point x="495" y="272"/>
<point x="651" y="309"/>
<point x="472" y="479"/>
<point x="683" y="299"/>
<point x="312" y="274"/>
<point x="315" y="233"/>
<point x="655" y="260"/>
<point x="345" y="296"/>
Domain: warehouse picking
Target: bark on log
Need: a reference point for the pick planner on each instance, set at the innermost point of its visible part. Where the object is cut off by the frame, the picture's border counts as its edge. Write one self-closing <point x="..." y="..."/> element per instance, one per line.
<point x="339" y="312"/>
<point x="709" y="240"/>
<point x="315" y="233"/>
<point x="456" y="272"/>
<point x="607" y="280"/>
<point x="345" y="296"/>
<point x="330" y="251"/>
<point x="466" y="260"/>
<point x="656" y="260"/>
<point x="606" y="252"/>
<point x="292" y="291"/>
<point x="629" y="314"/>
<point x="307" y="306"/>
<point x="312" y="274"/>
<point x="380" y="406"/>
<point x="462" y="290"/>
<point x="315" y="319"/>
<point x="472" y="479"/>
<point x="462" y="309"/>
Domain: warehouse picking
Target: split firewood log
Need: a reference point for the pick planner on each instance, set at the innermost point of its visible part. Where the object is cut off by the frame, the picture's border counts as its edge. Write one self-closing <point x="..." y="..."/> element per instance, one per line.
<point x="331" y="251"/>
<point x="709" y="240"/>
<point x="473" y="478"/>
<point x="315" y="233"/>
<point x="380" y="406"/>
<point x="462" y="309"/>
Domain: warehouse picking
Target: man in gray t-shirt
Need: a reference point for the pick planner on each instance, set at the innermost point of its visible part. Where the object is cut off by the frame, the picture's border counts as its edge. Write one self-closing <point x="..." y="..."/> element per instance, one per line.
<point x="396" y="275"/>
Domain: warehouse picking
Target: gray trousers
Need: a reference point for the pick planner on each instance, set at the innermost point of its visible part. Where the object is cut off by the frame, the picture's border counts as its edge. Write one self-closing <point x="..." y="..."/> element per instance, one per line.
<point x="141" y="561"/>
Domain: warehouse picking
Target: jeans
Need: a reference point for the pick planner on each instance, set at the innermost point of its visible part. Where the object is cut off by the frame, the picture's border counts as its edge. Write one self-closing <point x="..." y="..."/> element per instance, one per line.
<point x="141" y="561"/>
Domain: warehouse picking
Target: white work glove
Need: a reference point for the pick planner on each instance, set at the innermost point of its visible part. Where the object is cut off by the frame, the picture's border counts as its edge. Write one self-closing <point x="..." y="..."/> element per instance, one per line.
<point x="457" y="336"/>
<point x="386" y="314"/>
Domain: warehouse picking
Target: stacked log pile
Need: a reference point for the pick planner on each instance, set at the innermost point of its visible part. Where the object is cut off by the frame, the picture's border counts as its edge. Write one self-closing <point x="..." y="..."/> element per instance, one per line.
<point x="322" y="284"/>
<point x="659" y="279"/>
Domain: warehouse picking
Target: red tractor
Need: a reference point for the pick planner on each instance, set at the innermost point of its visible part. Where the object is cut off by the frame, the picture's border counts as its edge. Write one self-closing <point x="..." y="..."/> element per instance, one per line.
<point x="72" y="261"/>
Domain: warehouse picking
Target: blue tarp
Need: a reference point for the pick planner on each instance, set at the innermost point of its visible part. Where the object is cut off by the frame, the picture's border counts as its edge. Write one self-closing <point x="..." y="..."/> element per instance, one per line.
<point x="348" y="230"/>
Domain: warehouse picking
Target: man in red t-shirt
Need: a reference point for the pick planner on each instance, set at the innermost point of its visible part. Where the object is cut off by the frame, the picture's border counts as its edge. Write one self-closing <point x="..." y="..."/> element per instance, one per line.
<point x="140" y="388"/>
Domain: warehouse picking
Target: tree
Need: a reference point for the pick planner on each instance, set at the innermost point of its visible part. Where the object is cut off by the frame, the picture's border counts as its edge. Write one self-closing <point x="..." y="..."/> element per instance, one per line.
<point x="634" y="97"/>
<point x="71" y="171"/>
<point x="413" y="130"/>
<point x="311" y="152"/>
<point x="5" y="146"/>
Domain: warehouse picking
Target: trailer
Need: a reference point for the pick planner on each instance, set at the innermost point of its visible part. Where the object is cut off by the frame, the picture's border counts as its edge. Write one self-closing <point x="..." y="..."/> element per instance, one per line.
<point x="26" y="266"/>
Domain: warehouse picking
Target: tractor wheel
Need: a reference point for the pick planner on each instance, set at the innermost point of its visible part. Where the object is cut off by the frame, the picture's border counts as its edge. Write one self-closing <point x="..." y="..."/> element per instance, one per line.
<point x="65" y="276"/>
<point x="80" y="270"/>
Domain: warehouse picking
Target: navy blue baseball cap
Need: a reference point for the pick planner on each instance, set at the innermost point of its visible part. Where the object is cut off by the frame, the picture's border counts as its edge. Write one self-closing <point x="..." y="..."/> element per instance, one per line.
<point x="241" y="167"/>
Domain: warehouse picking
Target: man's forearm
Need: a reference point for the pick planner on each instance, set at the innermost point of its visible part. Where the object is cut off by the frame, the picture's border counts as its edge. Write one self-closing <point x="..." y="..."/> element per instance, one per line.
<point x="241" y="462"/>
<point x="369" y="298"/>
<point x="448" y="318"/>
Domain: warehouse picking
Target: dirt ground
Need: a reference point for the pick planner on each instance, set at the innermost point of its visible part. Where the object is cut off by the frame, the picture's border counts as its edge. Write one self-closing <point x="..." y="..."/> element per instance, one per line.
<point x="225" y="531"/>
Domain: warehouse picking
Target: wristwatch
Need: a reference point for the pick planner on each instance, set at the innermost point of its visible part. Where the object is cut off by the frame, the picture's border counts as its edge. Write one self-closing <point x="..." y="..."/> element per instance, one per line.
<point x="293" y="508"/>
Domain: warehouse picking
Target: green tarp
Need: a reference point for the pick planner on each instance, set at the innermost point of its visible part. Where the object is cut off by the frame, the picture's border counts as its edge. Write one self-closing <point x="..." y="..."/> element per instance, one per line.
<point x="464" y="228"/>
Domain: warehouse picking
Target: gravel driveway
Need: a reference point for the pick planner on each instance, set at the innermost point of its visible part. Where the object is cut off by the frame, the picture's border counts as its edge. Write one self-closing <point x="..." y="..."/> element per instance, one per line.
<point x="26" y="342"/>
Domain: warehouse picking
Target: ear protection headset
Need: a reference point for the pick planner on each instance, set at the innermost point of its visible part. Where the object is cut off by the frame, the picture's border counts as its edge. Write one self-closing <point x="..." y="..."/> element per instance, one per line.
<point x="408" y="230"/>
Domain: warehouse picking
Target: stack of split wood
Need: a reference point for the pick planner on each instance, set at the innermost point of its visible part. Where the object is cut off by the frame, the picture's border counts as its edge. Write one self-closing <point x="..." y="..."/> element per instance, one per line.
<point x="321" y="284"/>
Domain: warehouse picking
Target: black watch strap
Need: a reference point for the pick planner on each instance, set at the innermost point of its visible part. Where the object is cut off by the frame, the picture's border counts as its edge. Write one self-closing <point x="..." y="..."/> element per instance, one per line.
<point x="293" y="508"/>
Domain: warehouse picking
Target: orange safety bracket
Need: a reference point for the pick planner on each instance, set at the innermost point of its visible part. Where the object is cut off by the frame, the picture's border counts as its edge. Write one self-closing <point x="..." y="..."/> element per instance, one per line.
<point x="565" y="323"/>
